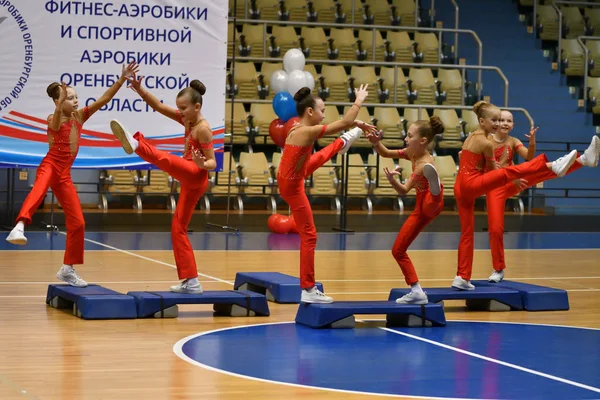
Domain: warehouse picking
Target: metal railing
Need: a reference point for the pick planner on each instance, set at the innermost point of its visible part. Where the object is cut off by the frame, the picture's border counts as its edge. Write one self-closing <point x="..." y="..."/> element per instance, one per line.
<point x="392" y="105"/>
<point x="399" y="65"/>
<point x="374" y="28"/>
<point x="456" y="17"/>
<point x="560" y="21"/>
<point x="586" y="51"/>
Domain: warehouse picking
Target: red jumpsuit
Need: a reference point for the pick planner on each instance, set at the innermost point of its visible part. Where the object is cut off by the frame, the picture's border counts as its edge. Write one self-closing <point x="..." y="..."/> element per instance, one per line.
<point x="496" y="203"/>
<point x="297" y="163"/>
<point x="471" y="183"/>
<point x="427" y="207"/>
<point x="55" y="172"/>
<point x="194" y="182"/>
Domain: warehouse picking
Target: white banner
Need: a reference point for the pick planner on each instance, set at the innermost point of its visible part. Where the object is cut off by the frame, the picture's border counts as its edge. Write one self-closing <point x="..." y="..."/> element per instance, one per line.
<point x="84" y="44"/>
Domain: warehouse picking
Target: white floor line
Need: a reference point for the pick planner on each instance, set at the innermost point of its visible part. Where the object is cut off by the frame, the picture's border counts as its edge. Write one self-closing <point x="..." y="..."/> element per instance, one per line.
<point x="493" y="360"/>
<point x="150" y="259"/>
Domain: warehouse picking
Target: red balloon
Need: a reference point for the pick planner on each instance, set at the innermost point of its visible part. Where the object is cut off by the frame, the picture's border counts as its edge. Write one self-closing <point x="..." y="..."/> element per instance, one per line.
<point x="286" y="223"/>
<point x="277" y="132"/>
<point x="276" y="223"/>
<point x="290" y="123"/>
<point x="293" y="226"/>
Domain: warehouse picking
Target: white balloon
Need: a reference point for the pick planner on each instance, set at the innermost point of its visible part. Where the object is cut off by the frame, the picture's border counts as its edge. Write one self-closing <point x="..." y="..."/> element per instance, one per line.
<point x="296" y="81"/>
<point x="279" y="81"/>
<point x="293" y="60"/>
<point x="310" y="80"/>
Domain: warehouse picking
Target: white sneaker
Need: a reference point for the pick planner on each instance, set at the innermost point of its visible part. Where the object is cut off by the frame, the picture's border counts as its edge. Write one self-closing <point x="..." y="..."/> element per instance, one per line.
<point x="349" y="137"/>
<point x="413" y="298"/>
<point x="186" y="287"/>
<point x="432" y="177"/>
<point x="462" y="284"/>
<point x="591" y="154"/>
<point x="70" y="276"/>
<point x="17" y="236"/>
<point x="314" y="295"/>
<point x="496" y="276"/>
<point x="561" y="165"/>
<point x="127" y="140"/>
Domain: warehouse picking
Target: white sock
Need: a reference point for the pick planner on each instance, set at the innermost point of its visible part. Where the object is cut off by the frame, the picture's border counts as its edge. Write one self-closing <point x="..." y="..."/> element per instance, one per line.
<point x="416" y="287"/>
<point x="67" y="268"/>
<point x="20" y="225"/>
<point x="310" y="290"/>
<point x="581" y="159"/>
<point x="193" y="281"/>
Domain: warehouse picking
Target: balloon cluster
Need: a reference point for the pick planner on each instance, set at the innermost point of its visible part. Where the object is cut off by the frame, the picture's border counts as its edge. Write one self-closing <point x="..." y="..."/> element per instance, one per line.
<point x="278" y="223"/>
<point x="285" y="83"/>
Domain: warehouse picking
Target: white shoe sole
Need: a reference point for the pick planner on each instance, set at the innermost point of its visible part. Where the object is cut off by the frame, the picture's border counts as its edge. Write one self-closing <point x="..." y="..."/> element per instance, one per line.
<point x="433" y="178"/>
<point x="60" y="278"/>
<point x="350" y="141"/>
<point x="317" y="301"/>
<point x="19" y="241"/>
<point x="571" y="157"/>
<point x="200" y="291"/>
<point x="418" y="303"/>
<point x="595" y="145"/>
<point x="119" y="132"/>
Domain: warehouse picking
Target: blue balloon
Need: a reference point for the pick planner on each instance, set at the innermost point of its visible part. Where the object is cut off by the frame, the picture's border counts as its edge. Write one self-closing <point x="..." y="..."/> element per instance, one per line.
<point x="284" y="106"/>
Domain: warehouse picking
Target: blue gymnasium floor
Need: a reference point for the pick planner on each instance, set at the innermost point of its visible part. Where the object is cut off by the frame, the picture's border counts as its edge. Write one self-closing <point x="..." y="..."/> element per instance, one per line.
<point x="464" y="360"/>
<point x="260" y="241"/>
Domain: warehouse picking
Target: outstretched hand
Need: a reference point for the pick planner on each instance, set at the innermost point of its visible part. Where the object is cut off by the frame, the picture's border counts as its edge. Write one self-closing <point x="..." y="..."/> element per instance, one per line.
<point x="198" y="158"/>
<point x="361" y="93"/>
<point x="130" y="70"/>
<point x="135" y="83"/>
<point x="392" y="174"/>
<point x="63" y="93"/>
<point x="366" y="128"/>
<point x="532" y="133"/>
<point x="521" y="184"/>
<point x="375" y="137"/>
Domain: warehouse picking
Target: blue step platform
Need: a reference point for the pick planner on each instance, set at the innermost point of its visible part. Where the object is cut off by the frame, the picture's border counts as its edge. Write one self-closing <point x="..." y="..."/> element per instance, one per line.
<point x="226" y="302"/>
<point x="534" y="297"/>
<point x="92" y="302"/>
<point x="341" y="314"/>
<point x="482" y="298"/>
<point x="279" y="288"/>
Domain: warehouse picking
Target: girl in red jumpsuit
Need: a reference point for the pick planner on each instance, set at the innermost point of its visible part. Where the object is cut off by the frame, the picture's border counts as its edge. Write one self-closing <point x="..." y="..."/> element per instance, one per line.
<point x="191" y="170"/>
<point x="297" y="163"/>
<point x="472" y="181"/>
<point x="64" y="131"/>
<point x="430" y="196"/>
<point x="505" y="146"/>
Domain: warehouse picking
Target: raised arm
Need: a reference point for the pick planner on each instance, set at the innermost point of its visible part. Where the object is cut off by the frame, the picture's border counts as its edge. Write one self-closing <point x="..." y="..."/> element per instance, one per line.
<point x="347" y="121"/>
<point x="54" y="120"/>
<point x="375" y="139"/>
<point x="135" y="84"/>
<point x="402" y="189"/>
<point x="528" y="153"/>
<point x="128" y="71"/>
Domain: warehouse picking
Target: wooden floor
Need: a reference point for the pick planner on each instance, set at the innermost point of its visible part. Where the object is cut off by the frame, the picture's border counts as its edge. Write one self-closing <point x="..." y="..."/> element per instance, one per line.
<point x="49" y="354"/>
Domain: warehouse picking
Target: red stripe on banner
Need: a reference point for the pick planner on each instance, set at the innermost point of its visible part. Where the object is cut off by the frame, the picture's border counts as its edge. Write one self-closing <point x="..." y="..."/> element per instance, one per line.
<point x="100" y="135"/>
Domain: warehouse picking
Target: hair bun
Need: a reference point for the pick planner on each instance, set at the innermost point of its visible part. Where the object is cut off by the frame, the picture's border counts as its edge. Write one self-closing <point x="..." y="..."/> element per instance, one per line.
<point x="437" y="126"/>
<point x="53" y="90"/>
<point x="479" y="105"/>
<point x="199" y="86"/>
<point x="301" y="94"/>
